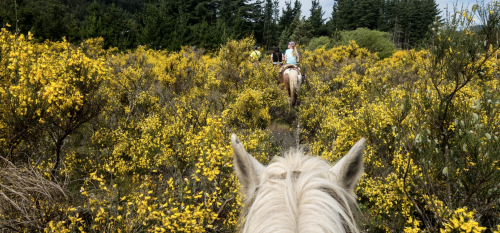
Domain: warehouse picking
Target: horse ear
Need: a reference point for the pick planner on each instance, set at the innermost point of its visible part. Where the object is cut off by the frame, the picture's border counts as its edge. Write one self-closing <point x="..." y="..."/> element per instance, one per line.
<point x="350" y="167"/>
<point x="247" y="167"/>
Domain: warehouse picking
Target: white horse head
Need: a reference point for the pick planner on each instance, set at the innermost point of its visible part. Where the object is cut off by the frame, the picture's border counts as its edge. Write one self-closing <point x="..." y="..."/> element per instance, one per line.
<point x="299" y="193"/>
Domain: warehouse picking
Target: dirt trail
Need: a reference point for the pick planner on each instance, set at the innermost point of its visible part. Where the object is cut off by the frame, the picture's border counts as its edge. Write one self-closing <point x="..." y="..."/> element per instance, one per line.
<point x="286" y="132"/>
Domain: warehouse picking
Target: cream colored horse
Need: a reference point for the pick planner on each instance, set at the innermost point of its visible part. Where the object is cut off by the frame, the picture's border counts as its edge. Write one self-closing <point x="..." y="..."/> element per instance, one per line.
<point x="298" y="193"/>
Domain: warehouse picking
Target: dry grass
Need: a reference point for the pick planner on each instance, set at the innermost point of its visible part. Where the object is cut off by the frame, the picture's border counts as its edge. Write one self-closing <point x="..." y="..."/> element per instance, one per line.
<point x="27" y="200"/>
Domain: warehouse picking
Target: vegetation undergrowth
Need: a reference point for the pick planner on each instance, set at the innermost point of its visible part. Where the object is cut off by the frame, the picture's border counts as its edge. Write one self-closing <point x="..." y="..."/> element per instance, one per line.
<point x="98" y="140"/>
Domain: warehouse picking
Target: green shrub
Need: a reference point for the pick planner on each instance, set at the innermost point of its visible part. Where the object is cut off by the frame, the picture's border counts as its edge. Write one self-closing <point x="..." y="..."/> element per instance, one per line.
<point x="318" y="42"/>
<point x="375" y="41"/>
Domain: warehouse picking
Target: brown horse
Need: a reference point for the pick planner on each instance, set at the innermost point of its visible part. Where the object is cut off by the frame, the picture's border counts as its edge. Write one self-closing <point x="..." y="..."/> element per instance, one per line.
<point x="291" y="79"/>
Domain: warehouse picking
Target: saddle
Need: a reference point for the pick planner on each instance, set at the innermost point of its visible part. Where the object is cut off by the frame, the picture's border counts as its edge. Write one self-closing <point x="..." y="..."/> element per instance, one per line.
<point x="286" y="68"/>
<point x="290" y="67"/>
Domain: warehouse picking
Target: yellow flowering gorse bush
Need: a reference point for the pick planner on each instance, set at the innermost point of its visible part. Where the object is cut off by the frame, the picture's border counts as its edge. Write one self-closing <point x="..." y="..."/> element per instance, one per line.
<point x="139" y="140"/>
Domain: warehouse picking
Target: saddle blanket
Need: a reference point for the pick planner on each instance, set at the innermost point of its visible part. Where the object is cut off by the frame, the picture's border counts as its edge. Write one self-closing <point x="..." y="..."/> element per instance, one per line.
<point x="299" y="76"/>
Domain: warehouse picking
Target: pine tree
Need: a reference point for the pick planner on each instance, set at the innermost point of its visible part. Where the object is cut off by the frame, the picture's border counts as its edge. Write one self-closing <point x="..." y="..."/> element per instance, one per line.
<point x="237" y="16"/>
<point x="333" y="22"/>
<point x="92" y="25"/>
<point x="170" y="24"/>
<point x="407" y="20"/>
<point x="258" y="21"/>
<point x="301" y="30"/>
<point x="367" y="13"/>
<point x="287" y="16"/>
<point x="316" y="19"/>
<point x="269" y="30"/>
<point x="284" y="39"/>
<point x="297" y="6"/>
<point x="343" y="15"/>
<point x="45" y="19"/>
<point x="276" y="29"/>
<point x="384" y="20"/>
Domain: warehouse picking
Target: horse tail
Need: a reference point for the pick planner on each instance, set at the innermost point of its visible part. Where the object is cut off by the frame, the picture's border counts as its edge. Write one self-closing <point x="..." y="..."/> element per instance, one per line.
<point x="294" y="86"/>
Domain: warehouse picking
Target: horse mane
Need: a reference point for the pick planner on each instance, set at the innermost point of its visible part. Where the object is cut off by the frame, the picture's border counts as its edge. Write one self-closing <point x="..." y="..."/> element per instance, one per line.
<point x="298" y="190"/>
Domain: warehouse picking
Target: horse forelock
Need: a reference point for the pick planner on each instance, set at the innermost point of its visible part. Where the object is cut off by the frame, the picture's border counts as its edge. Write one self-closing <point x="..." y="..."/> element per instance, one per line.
<point x="296" y="194"/>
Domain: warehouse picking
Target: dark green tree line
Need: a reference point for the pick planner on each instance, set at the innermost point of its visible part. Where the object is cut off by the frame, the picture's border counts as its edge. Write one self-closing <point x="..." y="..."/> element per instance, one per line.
<point x="407" y="20"/>
<point x="160" y="24"/>
<point x="170" y="24"/>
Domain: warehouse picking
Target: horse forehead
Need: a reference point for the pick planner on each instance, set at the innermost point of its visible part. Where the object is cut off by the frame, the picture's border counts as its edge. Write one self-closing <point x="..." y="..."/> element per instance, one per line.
<point x="297" y="165"/>
<point x="299" y="194"/>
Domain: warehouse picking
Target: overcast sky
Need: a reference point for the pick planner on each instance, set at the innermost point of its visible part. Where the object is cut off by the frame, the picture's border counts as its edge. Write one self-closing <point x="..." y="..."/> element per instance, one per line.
<point x="327" y="5"/>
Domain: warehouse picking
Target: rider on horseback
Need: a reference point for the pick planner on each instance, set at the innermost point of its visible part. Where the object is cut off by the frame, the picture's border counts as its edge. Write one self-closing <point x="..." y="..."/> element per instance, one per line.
<point x="291" y="58"/>
<point x="255" y="55"/>
<point x="291" y="55"/>
<point x="277" y="57"/>
<point x="290" y="75"/>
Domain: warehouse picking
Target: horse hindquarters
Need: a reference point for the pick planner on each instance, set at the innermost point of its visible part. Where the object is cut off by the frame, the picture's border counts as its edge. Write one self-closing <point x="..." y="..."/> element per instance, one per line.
<point x="284" y="80"/>
<point x="293" y="78"/>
